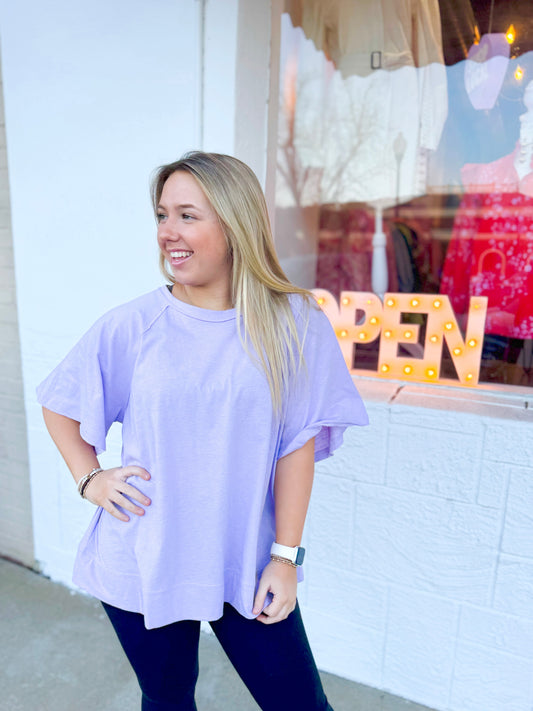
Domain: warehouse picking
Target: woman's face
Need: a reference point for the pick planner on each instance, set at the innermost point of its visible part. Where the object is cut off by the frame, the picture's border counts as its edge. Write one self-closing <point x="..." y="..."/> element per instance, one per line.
<point x="191" y="238"/>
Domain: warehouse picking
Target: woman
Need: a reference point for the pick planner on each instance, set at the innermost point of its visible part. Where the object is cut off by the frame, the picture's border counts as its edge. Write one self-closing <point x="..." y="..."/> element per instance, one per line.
<point x="229" y="384"/>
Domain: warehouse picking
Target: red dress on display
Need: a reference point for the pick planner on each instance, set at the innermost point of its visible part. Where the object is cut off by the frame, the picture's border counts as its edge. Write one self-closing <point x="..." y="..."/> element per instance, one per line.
<point x="491" y="249"/>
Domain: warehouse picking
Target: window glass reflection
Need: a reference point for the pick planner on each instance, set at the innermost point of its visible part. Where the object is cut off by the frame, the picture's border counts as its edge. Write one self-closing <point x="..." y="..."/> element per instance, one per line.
<point x="405" y="160"/>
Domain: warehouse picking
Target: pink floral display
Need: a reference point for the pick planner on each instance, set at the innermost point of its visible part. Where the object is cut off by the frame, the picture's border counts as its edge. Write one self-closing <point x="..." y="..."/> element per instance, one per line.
<point x="491" y="254"/>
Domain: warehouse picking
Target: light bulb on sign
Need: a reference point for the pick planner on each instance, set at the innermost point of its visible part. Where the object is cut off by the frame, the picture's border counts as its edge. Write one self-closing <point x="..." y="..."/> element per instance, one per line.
<point x="345" y="301"/>
<point x="510" y="35"/>
<point x="519" y="74"/>
<point x="321" y="300"/>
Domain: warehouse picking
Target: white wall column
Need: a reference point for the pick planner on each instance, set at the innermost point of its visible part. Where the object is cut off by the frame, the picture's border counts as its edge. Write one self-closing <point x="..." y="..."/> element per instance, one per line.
<point x="96" y="96"/>
<point x="237" y="73"/>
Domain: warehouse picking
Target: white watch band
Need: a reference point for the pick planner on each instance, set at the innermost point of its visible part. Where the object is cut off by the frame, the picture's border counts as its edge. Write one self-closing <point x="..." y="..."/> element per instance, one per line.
<point x="284" y="551"/>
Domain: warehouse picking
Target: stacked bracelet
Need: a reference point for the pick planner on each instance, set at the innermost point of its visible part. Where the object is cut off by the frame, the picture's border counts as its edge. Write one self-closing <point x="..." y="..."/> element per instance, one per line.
<point x="279" y="559"/>
<point x="86" y="480"/>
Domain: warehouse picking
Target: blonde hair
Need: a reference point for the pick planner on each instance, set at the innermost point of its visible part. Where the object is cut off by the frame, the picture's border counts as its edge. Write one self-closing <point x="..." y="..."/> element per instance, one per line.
<point x="259" y="286"/>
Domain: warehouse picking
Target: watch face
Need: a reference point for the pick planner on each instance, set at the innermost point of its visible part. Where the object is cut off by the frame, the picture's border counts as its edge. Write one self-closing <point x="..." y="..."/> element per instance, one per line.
<point x="300" y="556"/>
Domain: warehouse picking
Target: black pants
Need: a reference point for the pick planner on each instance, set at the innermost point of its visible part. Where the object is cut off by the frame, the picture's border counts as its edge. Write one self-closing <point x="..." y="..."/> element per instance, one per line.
<point x="274" y="661"/>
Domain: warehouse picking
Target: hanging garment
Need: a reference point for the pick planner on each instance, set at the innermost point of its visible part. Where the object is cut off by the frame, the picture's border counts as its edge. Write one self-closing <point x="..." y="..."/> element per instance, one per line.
<point x="368" y="117"/>
<point x="345" y="251"/>
<point x="491" y="254"/>
<point x="372" y="34"/>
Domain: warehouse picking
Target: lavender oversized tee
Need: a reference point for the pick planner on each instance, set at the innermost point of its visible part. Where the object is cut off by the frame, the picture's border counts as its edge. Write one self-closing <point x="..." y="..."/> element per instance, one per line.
<point x="197" y="414"/>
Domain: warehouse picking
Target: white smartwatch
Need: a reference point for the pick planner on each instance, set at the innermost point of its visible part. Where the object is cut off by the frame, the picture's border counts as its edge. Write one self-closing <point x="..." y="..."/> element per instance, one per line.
<point x="295" y="555"/>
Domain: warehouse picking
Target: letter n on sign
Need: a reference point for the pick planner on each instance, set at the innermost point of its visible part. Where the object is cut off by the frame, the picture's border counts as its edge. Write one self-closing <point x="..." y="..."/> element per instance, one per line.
<point x="441" y="325"/>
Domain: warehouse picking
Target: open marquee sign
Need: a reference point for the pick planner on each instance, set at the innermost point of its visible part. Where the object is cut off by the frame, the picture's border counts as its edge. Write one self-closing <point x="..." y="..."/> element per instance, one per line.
<point x="383" y="320"/>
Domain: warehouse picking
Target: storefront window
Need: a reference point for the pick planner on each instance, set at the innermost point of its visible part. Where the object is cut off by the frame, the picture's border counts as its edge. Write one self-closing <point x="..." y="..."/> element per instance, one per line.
<point x="405" y="162"/>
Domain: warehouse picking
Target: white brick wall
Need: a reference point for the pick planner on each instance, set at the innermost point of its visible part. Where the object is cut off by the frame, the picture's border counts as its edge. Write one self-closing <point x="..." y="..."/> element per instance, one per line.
<point x="419" y="578"/>
<point x="16" y="537"/>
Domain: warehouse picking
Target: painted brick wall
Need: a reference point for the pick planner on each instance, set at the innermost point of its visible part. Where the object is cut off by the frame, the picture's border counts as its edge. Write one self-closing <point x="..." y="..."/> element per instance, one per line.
<point x="420" y="537"/>
<point x="16" y="537"/>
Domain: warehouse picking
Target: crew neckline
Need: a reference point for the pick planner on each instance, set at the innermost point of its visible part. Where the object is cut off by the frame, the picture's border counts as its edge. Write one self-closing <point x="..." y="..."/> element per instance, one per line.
<point x="196" y="311"/>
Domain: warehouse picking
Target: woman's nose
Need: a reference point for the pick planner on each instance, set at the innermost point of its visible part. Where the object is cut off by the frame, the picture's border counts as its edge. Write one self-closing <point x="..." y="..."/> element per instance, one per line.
<point x="168" y="230"/>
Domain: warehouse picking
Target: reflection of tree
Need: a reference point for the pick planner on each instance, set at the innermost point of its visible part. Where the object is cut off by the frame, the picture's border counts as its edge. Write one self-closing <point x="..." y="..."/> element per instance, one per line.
<point x="293" y="177"/>
<point x="316" y="147"/>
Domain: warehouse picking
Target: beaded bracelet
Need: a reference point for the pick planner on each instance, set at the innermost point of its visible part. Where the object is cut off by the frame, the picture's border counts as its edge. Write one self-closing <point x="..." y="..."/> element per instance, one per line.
<point x="279" y="559"/>
<point x="85" y="480"/>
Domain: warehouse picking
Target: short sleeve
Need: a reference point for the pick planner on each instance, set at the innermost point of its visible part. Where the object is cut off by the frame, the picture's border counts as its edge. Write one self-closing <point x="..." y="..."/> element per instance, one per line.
<point x="92" y="384"/>
<point x="322" y="401"/>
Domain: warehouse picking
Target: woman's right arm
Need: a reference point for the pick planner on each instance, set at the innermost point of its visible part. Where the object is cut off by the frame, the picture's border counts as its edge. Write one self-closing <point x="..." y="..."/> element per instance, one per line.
<point x="107" y="489"/>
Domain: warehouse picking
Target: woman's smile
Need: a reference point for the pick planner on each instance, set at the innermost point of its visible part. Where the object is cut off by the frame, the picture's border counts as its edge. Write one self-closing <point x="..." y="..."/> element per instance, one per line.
<point x="179" y="256"/>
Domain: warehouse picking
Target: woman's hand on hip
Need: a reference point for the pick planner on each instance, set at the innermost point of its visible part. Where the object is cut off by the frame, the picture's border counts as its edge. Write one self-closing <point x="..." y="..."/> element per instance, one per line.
<point x="280" y="580"/>
<point x="110" y="489"/>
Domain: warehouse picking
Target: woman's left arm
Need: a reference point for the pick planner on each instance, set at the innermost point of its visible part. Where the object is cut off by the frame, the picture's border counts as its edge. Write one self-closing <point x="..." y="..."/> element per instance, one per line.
<point x="292" y="490"/>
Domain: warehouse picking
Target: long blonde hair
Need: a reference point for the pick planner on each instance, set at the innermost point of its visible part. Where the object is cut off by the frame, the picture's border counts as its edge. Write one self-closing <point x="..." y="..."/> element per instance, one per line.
<point x="259" y="286"/>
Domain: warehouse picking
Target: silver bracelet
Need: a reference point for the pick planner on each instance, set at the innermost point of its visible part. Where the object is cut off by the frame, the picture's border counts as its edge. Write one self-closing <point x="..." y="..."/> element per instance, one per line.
<point x="85" y="480"/>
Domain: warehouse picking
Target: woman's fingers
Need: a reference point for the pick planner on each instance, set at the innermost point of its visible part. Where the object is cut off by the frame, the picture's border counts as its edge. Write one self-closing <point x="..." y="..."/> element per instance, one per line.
<point x="112" y="509"/>
<point x="110" y="490"/>
<point x="120" y="500"/>
<point x="260" y="596"/>
<point x="133" y="493"/>
<point x="133" y="470"/>
<point x="276" y="611"/>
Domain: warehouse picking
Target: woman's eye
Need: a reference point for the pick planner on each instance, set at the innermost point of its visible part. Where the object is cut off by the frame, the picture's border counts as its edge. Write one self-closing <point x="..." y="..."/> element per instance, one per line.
<point x="160" y="216"/>
<point x="187" y="217"/>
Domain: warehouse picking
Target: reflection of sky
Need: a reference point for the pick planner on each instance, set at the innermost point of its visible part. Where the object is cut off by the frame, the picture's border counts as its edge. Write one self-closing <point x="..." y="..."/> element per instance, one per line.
<point x="473" y="136"/>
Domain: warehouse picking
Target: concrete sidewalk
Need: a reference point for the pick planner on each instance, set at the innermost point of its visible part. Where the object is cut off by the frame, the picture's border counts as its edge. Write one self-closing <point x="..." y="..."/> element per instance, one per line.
<point x="58" y="652"/>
